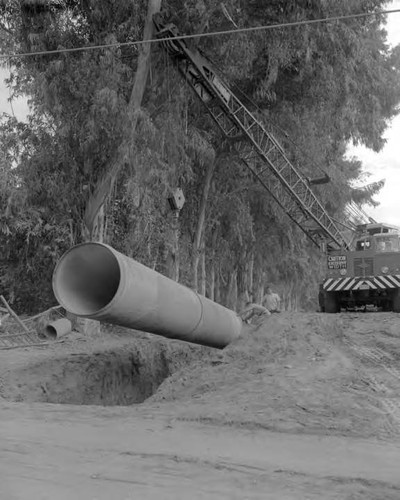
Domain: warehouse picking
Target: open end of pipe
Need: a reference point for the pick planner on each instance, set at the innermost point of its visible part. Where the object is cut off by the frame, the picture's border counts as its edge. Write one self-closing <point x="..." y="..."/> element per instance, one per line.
<point x="50" y="332"/>
<point x="86" y="279"/>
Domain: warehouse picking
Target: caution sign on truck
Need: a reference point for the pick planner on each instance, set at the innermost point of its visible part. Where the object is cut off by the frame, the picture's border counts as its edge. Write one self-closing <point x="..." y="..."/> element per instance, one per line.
<point x="337" y="262"/>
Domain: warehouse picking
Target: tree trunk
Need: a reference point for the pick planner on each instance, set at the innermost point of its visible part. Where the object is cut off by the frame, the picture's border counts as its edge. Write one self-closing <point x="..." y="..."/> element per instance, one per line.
<point x="172" y="264"/>
<point x="217" y="288"/>
<point x="211" y="294"/>
<point x="250" y="279"/>
<point x="231" y="297"/>
<point x="289" y="297"/>
<point x="242" y="283"/>
<point x="94" y="217"/>
<point x="203" y="279"/>
<point x="260" y="285"/>
<point x="98" y="229"/>
<point x="105" y="185"/>
<point x="200" y="223"/>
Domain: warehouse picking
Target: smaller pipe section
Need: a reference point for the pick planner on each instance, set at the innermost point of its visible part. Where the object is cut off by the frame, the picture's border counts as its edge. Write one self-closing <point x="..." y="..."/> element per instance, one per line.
<point x="58" y="328"/>
<point x="93" y="280"/>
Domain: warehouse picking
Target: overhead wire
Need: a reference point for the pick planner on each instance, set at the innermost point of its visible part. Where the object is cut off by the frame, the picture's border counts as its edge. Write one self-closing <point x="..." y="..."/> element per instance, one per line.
<point x="201" y="35"/>
<point x="210" y="34"/>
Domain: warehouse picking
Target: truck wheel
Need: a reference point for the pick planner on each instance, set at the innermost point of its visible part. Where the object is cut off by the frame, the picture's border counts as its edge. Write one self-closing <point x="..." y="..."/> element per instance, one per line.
<point x="331" y="301"/>
<point x="321" y="301"/>
<point x="396" y="301"/>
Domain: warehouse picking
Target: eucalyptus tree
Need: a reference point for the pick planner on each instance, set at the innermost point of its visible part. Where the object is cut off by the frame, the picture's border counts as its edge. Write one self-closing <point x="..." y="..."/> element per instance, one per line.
<point x="111" y="131"/>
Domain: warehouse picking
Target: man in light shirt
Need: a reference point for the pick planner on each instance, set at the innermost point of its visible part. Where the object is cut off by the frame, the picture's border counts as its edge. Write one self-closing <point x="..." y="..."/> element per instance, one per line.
<point x="272" y="301"/>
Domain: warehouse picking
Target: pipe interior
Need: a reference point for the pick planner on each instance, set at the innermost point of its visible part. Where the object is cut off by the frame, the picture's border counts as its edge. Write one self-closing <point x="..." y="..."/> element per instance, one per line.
<point x="87" y="279"/>
<point x="50" y="332"/>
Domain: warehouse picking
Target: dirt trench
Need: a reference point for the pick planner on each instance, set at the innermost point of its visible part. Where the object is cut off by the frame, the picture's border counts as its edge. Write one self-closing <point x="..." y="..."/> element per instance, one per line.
<point x="120" y="372"/>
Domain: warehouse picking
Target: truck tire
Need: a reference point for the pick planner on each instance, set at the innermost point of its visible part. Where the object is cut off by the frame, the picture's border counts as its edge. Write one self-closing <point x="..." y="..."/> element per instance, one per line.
<point x="396" y="301"/>
<point x="331" y="302"/>
<point x="321" y="301"/>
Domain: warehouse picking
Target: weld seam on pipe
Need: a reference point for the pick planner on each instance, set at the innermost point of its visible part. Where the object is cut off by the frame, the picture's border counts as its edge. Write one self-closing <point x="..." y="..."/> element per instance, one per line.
<point x="201" y="313"/>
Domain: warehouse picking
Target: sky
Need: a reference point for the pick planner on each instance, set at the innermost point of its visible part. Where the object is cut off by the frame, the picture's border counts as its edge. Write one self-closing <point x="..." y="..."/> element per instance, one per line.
<point x="386" y="163"/>
<point x="382" y="165"/>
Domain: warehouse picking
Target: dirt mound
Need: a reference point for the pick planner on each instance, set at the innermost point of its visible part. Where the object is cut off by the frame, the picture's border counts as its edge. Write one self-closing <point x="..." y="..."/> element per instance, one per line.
<point x="291" y="373"/>
<point x="294" y="372"/>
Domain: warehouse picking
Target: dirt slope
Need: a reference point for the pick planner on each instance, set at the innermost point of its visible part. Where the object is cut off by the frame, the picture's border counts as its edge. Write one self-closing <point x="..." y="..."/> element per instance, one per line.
<point x="293" y="373"/>
<point x="296" y="372"/>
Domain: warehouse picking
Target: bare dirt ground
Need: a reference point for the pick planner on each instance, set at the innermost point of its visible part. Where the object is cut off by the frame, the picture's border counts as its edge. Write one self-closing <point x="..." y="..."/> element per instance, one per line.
<point x="303" y="406"/>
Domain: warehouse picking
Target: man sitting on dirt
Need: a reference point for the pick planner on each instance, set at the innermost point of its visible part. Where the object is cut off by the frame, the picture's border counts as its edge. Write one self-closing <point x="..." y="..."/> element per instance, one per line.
<point x="252" y="310"/>
<point x="271" y="301"/>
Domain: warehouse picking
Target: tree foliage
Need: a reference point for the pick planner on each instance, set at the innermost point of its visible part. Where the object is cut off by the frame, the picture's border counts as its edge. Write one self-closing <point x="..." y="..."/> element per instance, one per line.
<point x="316" y="86"/>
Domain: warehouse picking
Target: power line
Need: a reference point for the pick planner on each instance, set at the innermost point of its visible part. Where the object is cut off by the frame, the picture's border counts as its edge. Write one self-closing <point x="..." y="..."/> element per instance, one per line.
<point x="210" y="34"/>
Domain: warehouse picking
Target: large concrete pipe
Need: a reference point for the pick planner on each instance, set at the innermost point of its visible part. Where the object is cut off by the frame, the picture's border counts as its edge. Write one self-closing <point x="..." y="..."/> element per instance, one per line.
<point x="95" y="281"/>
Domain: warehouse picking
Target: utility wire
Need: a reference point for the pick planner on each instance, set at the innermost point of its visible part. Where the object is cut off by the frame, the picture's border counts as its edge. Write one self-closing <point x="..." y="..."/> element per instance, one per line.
<point x="210" y="34"/>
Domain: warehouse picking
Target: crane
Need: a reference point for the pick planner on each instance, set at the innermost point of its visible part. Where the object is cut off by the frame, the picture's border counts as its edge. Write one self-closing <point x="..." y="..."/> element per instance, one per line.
<point x="363" y="261"/>
<point x="257" y="147"/>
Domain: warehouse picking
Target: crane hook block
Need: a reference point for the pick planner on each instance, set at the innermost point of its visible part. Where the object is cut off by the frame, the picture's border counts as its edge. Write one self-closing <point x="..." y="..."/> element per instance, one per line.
<point x="177" y="199"/>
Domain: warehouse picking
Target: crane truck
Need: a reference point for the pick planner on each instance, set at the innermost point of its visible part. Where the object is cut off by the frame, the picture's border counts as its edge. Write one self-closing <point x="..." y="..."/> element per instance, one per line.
<point x="365" y="276"/>
<point x="363" y="271"/>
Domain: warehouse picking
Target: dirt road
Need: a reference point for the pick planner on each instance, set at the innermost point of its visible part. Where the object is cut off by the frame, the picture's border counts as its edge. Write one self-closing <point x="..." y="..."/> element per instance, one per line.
<point x="53" y="452"/>
<point x="303" y="407"/>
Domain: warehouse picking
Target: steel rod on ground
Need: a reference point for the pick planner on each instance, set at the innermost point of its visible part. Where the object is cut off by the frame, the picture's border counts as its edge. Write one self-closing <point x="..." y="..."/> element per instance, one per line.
<point x="13" y="314"/>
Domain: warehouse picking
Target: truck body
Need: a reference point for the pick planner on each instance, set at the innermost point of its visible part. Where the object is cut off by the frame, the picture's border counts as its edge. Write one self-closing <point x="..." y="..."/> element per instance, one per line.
<point x="367" y="276"/>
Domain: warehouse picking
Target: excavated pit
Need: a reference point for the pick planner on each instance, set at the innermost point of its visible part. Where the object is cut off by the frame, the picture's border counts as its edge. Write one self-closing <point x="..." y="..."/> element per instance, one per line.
<point x="123" y="375"/>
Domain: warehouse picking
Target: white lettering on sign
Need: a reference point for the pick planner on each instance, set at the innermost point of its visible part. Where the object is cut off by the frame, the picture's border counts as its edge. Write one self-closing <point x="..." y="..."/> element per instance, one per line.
<point x="337" y="262"/>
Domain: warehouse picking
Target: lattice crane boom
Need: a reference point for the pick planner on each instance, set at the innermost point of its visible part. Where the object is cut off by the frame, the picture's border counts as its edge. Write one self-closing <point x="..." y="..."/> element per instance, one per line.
<point x="258" y="148"/>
